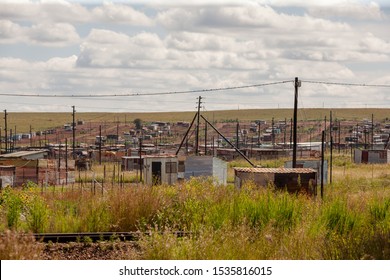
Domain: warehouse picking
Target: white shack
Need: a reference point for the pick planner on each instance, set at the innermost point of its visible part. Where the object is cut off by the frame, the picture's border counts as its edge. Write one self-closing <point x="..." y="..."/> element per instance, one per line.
<point x="160" y="169"/>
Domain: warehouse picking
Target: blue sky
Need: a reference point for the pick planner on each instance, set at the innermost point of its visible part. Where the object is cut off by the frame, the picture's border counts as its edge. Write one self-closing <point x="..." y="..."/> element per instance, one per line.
<point x="72" y="48"/>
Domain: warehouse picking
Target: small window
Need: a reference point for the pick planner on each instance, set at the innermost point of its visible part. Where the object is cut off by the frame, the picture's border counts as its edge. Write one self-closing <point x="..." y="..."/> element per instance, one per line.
<point x="181" y="166"/>
<point x="170" y="167"/>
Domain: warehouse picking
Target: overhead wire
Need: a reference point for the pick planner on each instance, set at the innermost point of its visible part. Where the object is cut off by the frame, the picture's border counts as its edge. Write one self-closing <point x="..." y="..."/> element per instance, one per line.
<point x="104" y="96"/>
<point x="345" y="84"/>
<point x="145" y="94"/>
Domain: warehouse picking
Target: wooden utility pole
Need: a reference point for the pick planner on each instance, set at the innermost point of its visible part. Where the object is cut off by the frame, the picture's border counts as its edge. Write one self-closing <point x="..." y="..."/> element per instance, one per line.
<point x="322" y="163"/>
<point x="284" y="131"/>
<point x="6" y="131"/>
<point x="372" y="131"/>
<point x="117" y="132"/>
<point x="291" y="132"/>
<point x="74" y="132"/>
<point x="331" y="145"/>
<point x="273" y="133"/>
<point x="197" y="127"/>
<point x="330" y="125"/>
<point x="66" y="161"/>
<point x="140" y="159"/>
<point x="205" y="139"/>
<point x="339" y="135"/>
<point x="296" y="85"/>
<point x="30" y="136"/>
<point x="325" y="130"/>
<point x="100" y="144"/>
<point x="237" y="135"/>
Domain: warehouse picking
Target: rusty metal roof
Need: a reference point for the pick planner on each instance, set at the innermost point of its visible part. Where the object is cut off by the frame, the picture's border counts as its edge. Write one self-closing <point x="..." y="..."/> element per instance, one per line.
<point x="274" y="170"/>
<point x="21" y="154"/>
<point x="159" y="156"/>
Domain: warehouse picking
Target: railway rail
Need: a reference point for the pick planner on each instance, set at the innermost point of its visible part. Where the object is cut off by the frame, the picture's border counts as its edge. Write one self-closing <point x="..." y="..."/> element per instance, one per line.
<point x="94" y="236"/>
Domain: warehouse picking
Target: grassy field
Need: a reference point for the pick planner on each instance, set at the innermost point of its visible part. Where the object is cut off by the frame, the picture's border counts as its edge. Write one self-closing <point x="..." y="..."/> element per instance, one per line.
<point x="42" y="121"/>
<point x="351" y="222"/>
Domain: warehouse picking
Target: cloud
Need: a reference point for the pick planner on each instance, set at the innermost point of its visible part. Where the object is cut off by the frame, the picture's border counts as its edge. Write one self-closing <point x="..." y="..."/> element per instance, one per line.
<point x="105" y="48"/>
<point x="45" y="34"/>
<point x="311" y="70"/>
<point x="58" y="34"/>
<point x="10" y="32"/>
<point x="247" y="16"/>
<point x="356" y="11"/>
<point x="37" y="76"/>
<point x="120" y="48"/>
<point x="60" y="11"/>
<point x="119" y="13"/>
<point x="70" y="12"/>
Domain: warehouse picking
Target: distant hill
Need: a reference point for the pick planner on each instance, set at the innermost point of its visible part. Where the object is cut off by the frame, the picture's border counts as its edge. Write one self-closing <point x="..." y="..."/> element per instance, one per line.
<point x="42" y="121"/>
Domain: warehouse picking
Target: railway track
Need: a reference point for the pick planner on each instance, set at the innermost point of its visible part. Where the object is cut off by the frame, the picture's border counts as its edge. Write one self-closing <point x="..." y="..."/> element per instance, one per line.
<point x="93" y="236"/>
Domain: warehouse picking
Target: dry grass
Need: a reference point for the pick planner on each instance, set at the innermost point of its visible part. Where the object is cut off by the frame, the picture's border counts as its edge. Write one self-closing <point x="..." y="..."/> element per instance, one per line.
<point x="19" y="246"/>
<point x="42" y="121"/>
<point x="352" y="222"/>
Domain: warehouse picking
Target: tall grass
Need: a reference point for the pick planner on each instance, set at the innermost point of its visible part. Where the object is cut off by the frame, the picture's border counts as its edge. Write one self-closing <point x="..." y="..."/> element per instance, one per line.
<point x="222" y="222"/>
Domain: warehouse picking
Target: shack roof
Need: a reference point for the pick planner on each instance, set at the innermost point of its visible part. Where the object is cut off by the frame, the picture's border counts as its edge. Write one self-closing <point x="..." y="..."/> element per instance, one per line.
<point x="159" y="156"/>
<point x="275" y="170"/>
<point x="22" y="154"/>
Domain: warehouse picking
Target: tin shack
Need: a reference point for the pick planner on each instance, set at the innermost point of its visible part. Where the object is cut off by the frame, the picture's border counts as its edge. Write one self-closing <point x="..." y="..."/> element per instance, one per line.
<point x="130" y="163"/>
<point x="35" y="167"/>
<point x="7" y="176"/>
<point x="294" y="180"/>
<point x="160" y="169"/>
<point x="207" y="166"/>
<point x="371" y="156"/>
<point x="313" y="164"/>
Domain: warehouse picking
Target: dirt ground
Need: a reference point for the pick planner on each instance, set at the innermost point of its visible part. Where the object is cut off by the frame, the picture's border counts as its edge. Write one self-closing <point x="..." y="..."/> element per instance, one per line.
<point x="91" y="251"/>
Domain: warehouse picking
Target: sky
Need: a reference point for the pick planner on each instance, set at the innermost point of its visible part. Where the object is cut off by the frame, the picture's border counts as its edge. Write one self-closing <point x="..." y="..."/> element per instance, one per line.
<point x="160" y="56"/>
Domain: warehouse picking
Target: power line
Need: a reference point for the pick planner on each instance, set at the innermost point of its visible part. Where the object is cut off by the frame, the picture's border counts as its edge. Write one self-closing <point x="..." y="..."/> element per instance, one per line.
<point x="145" y="94"/>
<point x="345" y="84"/>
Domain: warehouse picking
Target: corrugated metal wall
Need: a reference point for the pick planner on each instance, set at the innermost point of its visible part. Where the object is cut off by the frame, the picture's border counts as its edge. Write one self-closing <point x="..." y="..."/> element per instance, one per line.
<point x="207" y="166"/>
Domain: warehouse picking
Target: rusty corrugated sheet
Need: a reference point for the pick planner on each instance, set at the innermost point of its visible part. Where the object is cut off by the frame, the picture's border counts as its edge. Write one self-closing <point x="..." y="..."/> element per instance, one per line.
<point x="274" y="170"/>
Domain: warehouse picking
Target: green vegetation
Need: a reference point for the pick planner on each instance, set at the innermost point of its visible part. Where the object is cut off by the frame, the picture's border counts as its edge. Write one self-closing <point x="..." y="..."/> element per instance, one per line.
<point x="351" y="222"/>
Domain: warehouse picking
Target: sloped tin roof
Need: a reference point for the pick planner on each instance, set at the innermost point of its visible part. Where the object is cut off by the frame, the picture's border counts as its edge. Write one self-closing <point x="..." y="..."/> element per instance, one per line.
<point x="275" y="170"/>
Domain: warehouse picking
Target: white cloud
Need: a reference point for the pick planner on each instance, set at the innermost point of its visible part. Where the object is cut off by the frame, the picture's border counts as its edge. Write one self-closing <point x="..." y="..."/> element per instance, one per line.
<point x="357" y="11"/>
<point x="60" y="11"/>
<point x="57" y="34"/>
<point x="118" y="13"/>
<point x="311" y="70"/>
<point x="189" y="41"/>
<point x="120" y="48"/>
<point x="105" y="48"/>
<point x="61" y="64"/>
<point x="10" y="32"/>
<point x="45" y="34"/>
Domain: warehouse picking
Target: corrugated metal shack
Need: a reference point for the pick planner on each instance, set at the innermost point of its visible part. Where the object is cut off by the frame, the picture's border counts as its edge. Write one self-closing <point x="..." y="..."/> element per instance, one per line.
<point x="294" y="180"/>
<point x="130" y="163"/>
<point x="268" y="154"/>
<point x="160" y="169"/>
<point x="28" y="155"/>
<point x="313" y="164"/>
<point x="207" y="166"/>
<point x="7" y="176"/>
<point x="228" y="154"/>
<point x="371" y="156"/>
<point x="33" y="166"/>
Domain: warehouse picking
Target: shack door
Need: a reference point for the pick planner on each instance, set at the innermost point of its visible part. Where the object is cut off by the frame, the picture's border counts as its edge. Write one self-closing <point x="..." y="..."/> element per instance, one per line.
<point x="364" y="156"/>
<point x="156" y="173"/>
